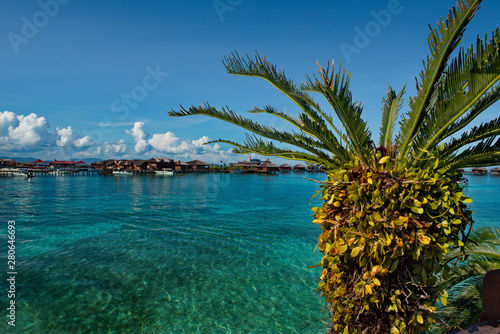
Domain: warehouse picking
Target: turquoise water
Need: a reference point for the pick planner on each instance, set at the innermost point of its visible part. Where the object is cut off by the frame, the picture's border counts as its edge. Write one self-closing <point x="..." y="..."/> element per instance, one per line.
<point x="206" y="253"/>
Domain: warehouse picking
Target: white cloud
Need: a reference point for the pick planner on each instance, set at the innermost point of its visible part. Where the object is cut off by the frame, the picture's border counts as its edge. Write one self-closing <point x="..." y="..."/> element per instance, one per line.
<point x="7" y="119"/>
<point x="29" y="131"/>
<point x="83" y="142"/>
<point x="66" y="136"/>
<point x="20" y="134"/>
<point x="163" y="142"/>
<point x="140" y="136"/>
<point x="113" y="148"/>
<point x="167" y="143"/>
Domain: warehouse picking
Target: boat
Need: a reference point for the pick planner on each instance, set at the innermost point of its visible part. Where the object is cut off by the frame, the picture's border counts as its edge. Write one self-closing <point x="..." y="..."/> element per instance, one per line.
<point x="20" y="174"/>
<point x="165" y="171"/>
<point x="122" y="172"/>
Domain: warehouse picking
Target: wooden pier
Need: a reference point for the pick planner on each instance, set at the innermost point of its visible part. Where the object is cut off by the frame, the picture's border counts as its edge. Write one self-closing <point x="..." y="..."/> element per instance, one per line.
<point x="38" y="173"/>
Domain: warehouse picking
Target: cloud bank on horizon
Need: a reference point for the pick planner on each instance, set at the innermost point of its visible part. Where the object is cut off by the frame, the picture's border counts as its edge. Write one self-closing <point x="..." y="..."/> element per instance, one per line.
<point x="32" y="134"/>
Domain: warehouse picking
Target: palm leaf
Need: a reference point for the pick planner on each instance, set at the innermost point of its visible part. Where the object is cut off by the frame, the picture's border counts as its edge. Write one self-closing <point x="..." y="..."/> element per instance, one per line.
<point x="486" y="101"/>
<point x="296" y="139"/>
<point x="391" y="105"/>
<point x="442" y="41"/>
<point x="258" y="146"/>
<point x="312" y="114"/>
<point x="470" y="76"/>
<point x="484" y="131"/>
<point x="483" y="154"/>
<point x="306" y="125"/>
<point x="463" y="307"/>
<point x="464" y="285"/>
<point x="261" y="68"/>
<point x="335" y="88"/>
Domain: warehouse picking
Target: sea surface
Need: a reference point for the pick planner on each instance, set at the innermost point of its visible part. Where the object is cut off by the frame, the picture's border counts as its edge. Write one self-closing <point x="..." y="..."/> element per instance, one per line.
<point x="194" y="253"/>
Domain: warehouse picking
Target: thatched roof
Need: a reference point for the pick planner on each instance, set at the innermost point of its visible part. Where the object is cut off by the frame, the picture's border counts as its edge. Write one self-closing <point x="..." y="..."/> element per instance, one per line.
<point x="268" y="164"/>
<point x="299" y="166"/>
<point x="285" y="166"/>
<point x="181" y="163"/>
<point x="198" y="163"/>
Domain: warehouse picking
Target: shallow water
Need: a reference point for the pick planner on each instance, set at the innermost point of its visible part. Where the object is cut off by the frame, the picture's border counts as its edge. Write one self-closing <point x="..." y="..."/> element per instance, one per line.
<point x="204" y="253"/>
<point x="207" y="253"/>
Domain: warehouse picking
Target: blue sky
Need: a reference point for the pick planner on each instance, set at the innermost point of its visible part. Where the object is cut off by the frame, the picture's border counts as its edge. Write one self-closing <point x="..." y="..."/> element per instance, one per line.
<point x="85" y="79"/>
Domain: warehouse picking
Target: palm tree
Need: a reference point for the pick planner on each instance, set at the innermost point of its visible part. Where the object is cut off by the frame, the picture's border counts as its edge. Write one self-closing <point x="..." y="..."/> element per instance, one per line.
<point x="391" y="212"/>
<point x="464" y="285"/>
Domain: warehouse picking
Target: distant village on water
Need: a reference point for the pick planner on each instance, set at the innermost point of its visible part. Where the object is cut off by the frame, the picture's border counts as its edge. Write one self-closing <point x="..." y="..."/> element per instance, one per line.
<point x="153" y="165"/>
<point x="9" y="167"/>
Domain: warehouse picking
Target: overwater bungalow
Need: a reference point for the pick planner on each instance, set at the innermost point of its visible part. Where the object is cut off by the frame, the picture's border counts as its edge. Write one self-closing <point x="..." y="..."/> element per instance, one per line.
<point x="479" y="171"/>
<point x="299" y="168"/>
<point x="139" y="165"/>
<point x="110" y="164"/>
<point x="266" y="167"/>
<point x="98" y="165"/>
<point x="198" y="166"/>
<point x="82" y="165"/>
<point x="242" y="164"/>
<point x="246" y="165"/>
<point x="62" y="164"/>
<point x="495" y="171"/>
<point x="160" y="164"/>
<point x="39" y="164"/>
<point x="181" y="166"/>
<point x="285" y="168"/>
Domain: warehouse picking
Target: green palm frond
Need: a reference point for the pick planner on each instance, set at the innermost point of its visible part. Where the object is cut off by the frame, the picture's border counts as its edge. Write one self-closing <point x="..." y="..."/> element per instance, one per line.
<point x="463" y="306"/>
<point x="318" y="148"/>
<point x="261" y="68"/>
<point x="486" y="101"/>
<point x="334" y="86"/>
<point x="485" y="233"/>
<point x="442" y="41"/>
<point x="482" y="251"/>
<point x="329" y="119"/>
<point x="256" y="145"/>
<point x="470" y="76"/>
<point x="484" y="131"/>
<point x="465" y="281"/>
<point x="273" y="111"/>
<point x="485" y="153"/>
<point x="391" y="105"/>
<point x="306" y="125"/>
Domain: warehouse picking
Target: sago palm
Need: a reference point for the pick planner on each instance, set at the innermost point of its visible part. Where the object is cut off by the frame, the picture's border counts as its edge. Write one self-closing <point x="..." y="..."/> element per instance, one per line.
<point x="391" y="212"/>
